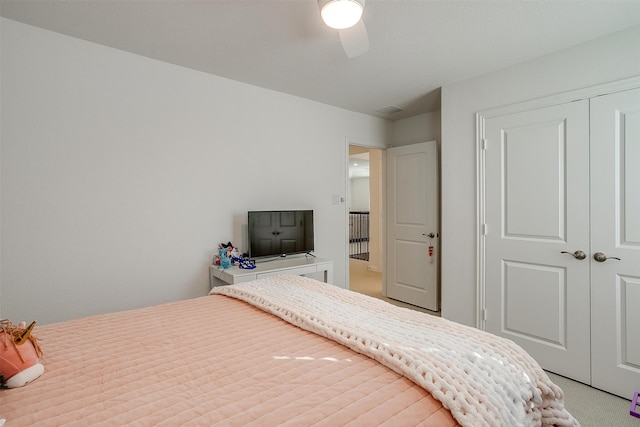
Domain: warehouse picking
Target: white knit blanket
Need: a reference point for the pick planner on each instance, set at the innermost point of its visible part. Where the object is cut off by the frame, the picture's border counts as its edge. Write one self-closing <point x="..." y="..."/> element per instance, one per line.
<point x="484" y="380"/>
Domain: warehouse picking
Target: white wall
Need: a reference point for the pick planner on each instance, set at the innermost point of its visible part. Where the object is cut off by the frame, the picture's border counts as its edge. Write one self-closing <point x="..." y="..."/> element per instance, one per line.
<point x="420" y="128"/>
<point x="607" y="59"/>
<point x="376" y="209"/>
<point x="120" y="174"/>
<point x="359" y="199"/>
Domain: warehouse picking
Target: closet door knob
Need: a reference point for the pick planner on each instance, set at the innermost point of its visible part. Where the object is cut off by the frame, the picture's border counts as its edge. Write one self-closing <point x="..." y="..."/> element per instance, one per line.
<point x="576" y="254"/>
<point x="600" y="257"/>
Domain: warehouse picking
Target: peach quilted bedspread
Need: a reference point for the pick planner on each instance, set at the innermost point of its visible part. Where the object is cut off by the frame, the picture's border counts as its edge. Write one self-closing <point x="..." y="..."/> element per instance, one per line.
<point x="209" y="361"/>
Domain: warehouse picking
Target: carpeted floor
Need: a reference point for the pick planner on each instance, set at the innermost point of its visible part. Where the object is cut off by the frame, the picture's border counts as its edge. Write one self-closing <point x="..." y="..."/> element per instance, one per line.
<point x="591" y="407"/>
<point x="595" y="408"/>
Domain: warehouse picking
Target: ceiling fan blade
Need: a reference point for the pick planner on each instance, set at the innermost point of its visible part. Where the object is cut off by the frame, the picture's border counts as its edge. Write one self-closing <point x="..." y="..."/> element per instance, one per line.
<point x="355" y="40"/>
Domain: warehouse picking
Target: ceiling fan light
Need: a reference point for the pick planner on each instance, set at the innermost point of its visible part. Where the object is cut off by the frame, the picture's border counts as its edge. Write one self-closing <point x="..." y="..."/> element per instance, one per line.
<point x="341" y="14"/>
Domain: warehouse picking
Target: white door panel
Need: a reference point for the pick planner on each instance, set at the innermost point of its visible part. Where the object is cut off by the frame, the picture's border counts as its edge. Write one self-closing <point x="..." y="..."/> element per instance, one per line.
<point x="527" y="288"/>
<point x="534" y="169"/>
<point x="412" y="214"/>
<point x="615" y="232"/>
<point x="536" y="164"/>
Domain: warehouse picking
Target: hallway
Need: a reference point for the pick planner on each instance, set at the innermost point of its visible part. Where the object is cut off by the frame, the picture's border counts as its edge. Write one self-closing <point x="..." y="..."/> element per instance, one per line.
<point x="368" y="282"/>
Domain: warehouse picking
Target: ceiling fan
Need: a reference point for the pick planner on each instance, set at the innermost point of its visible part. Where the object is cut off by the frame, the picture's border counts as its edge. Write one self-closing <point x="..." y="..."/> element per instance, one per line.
<point x="346" y="17"/>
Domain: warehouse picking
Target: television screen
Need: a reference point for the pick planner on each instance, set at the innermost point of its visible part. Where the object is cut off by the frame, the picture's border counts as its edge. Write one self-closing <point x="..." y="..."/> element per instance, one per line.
<point x="280" y="233"/>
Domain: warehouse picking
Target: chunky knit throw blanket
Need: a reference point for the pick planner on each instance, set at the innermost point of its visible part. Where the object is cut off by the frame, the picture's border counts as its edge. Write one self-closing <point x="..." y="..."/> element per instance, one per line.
<point x="484" y="380"/>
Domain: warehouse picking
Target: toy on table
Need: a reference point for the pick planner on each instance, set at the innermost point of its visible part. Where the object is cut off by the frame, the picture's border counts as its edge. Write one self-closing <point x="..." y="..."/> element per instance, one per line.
<point x="229" y="255"/>
<point x="225" y="257"/>
<point x="19" y="355"/>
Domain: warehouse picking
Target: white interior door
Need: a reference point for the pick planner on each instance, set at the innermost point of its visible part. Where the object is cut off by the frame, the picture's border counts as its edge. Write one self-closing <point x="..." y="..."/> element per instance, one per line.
<point x="615" y="232"/>
<point x="536" y="208"/>
<point x="412" y="216"/>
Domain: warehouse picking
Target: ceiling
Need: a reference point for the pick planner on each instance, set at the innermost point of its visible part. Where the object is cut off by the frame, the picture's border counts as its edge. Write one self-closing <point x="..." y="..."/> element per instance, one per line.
<point x="416" y="46"/>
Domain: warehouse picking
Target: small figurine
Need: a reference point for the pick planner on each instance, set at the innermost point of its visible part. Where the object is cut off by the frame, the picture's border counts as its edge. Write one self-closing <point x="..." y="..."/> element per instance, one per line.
<point x="225" y="255"/>
<point x="19" y="354"/>
<point x="225" y="261"/>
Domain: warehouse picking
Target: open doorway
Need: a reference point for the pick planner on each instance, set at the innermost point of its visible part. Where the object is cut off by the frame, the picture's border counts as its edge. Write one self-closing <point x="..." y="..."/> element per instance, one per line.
<point x="365" y="223"/>
<point x="365" y="220"/>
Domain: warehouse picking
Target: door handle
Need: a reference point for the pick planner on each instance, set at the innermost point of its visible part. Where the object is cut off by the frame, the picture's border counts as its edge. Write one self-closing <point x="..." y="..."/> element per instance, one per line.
<point x="577" y="254"/>
<point x="600" y="257"/>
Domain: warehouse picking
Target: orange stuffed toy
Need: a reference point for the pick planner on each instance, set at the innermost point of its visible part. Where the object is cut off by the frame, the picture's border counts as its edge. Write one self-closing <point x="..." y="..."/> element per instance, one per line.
<point x="19" y="355"/>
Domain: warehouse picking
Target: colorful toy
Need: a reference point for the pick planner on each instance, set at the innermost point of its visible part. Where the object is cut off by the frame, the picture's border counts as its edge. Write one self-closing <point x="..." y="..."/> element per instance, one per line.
<point x="19" y="355"/>
<point x="225" y="260"/>
<point x="633" y="410"/>
<point x="229" y="255"/>
<point x="225" y="255"/>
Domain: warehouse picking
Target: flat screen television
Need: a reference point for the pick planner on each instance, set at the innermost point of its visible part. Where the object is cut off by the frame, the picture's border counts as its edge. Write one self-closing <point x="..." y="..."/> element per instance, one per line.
<point x="280" y="233"/>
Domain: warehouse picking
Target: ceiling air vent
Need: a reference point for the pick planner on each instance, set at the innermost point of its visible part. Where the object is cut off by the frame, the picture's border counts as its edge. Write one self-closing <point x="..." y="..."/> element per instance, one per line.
<point x="390" y="109"/>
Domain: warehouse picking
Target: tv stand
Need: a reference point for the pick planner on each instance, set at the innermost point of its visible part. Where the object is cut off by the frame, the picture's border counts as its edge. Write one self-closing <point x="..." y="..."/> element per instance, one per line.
<point x="287" y="265"/>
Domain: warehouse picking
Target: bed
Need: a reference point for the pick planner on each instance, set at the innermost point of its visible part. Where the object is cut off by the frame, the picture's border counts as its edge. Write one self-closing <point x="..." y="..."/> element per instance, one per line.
<point x="283" y="350"/>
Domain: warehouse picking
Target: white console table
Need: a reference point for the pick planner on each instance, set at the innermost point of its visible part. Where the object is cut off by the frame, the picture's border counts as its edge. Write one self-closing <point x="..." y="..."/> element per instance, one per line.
<point x="297" y="265"/>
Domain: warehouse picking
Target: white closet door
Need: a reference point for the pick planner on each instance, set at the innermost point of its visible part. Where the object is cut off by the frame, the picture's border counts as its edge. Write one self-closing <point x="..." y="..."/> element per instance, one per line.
<point x="615" y="232"/>
<point x="536" y="207"/>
